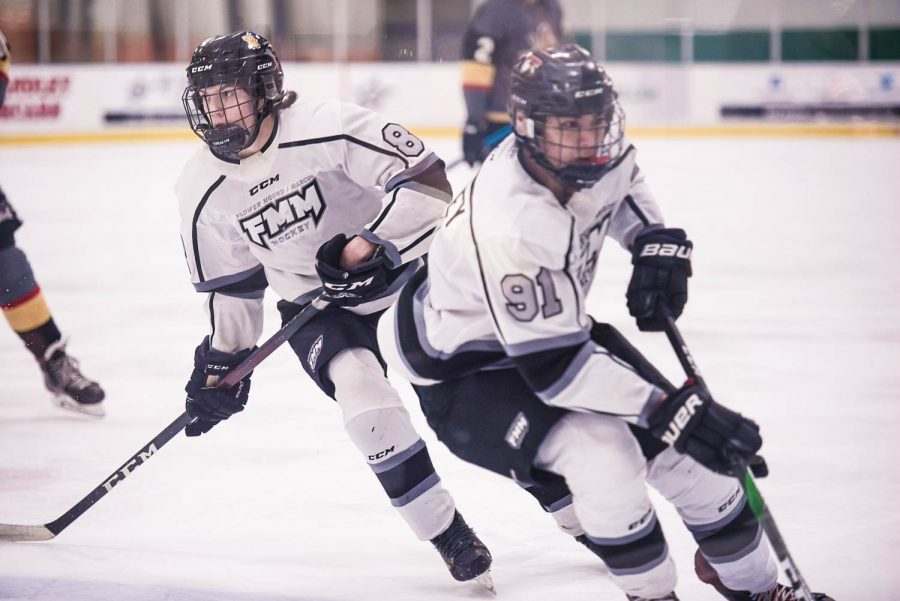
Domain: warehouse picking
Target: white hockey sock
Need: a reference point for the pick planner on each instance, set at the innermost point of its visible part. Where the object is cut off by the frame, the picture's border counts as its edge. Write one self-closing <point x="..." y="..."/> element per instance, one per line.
<point x="380" y="427"/>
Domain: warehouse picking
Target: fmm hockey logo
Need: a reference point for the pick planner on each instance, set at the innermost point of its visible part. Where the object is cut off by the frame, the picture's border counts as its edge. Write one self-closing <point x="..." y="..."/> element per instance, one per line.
<point x="682" y="417"/>
<point x="283" y="213"/>
<point x="517" y="431"/>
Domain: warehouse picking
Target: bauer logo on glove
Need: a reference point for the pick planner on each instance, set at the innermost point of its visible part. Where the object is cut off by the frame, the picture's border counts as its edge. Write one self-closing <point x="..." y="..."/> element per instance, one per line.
<point x="666" y="250"/>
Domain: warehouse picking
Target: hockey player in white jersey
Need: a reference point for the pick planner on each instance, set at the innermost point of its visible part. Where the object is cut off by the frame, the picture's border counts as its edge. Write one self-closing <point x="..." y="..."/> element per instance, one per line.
<point x="312" y="198"/>
<point x="515" y="376"/>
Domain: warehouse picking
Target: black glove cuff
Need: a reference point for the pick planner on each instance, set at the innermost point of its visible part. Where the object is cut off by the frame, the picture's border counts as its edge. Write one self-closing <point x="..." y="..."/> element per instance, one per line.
<point x="212" y="362"/>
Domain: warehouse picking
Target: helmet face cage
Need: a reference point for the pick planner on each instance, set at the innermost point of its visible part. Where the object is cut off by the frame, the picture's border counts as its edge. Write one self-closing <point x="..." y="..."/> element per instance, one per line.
<point x="234" y="82"/>
<point x="566" y="114"/>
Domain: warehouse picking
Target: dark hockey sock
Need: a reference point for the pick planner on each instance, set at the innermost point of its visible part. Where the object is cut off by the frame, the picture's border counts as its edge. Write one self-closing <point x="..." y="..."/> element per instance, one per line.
<point x="39" y="339"/>
<point x="406" y="475"/>
<point x="630" y="557"/>
<point x="29" y="316"/>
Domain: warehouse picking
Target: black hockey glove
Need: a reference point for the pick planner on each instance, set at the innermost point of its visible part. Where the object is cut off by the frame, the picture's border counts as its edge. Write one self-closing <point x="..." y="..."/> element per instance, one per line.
<point x="209" y="406"/>
<point x="662" y="266"/>
<point x="696" y="425"/>
<point x="350" y="287"/>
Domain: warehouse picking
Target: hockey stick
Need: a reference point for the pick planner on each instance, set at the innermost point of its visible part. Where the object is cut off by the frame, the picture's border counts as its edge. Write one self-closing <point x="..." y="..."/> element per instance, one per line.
<point x="15" y="533"/>
<point x="741" y="472"/>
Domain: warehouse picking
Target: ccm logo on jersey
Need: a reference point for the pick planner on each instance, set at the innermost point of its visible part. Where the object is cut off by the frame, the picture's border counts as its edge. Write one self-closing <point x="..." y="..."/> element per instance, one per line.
<point x="681" y="419"/>
<point x="655" y="249"/>
<point x="263" y="185"/>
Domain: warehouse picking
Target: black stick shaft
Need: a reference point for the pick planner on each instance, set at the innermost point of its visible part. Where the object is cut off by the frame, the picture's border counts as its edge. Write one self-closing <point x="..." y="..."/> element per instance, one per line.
<point x="51" y="529"/>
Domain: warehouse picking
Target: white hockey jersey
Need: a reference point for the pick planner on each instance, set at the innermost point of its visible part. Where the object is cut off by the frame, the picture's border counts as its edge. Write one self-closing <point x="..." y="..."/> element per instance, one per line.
<point x="329" y="167"/>
<point x="506" y="282"/>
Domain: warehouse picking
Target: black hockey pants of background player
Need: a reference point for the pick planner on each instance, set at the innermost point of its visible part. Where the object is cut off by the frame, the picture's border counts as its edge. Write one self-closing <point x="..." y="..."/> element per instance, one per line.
<point x="493" y="419"/>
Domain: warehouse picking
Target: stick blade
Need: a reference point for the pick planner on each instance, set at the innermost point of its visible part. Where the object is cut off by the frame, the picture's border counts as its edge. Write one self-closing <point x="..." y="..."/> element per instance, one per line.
<point x="12" y="533"/>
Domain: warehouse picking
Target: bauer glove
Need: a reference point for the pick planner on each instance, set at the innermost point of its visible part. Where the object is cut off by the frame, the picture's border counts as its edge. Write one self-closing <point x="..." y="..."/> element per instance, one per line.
<point x="694" y="424"/>
<point x="662" y="266"/>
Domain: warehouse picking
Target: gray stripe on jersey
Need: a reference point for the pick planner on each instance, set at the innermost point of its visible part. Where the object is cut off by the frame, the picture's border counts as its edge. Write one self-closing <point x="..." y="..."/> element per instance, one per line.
<point x="578" y="361"/>
<point x="390" y="248"/>
<point x="419" y="317"/>
<point x="546" y="344"/>
<point x="253" y="294"/>
<point x="395" y="460"/>
<point x="410" y="173"/>
<point x="225" y="280"/>
<point x="417" y="491"/>
<point x="408" y="272"/>
<point x="427" y="190"/>
<point x="628" y="538"/>
<point x="653" y="401"/>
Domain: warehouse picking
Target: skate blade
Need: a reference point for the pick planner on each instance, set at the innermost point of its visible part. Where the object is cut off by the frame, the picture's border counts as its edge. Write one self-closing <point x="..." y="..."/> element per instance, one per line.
<point x="486" y="581"/>
<point x="93" y="409"/>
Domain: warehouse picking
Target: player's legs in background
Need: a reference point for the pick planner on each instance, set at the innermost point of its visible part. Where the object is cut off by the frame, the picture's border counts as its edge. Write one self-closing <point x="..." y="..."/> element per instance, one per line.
<point x="610" y="500"/>
<point x="555" y="498"/>
<point x="27" y="313"/>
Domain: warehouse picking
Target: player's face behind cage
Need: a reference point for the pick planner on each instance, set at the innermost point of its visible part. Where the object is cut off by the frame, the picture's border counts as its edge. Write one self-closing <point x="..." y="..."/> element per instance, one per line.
<point x="583" y="141"/>
<point x="566" y="114"/>
<point x="225" y="105"/>
<point x="234" y="83"/>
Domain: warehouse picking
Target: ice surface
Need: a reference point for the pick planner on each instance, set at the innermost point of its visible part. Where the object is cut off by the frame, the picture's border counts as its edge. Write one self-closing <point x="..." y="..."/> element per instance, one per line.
<point x="794" y="318"/>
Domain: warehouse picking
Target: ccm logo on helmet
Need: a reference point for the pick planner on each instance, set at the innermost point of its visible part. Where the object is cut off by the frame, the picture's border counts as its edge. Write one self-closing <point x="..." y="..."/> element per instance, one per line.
<point x="655" y="249"/>
<point x="264" y="66"/>
<point x="585" y="93"/>
<point x="201" y="68"/>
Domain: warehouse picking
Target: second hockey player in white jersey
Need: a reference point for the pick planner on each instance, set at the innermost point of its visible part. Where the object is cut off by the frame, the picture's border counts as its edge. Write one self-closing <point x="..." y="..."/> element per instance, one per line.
<point x="515" y="376"/>
<point x="312" y="198"/>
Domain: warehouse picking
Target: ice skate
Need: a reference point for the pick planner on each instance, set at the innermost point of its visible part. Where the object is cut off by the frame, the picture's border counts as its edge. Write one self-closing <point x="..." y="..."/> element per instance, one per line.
<point x="782" y="593"/>
<point x="70" y="388"/>
<point x="670" y="597"/>
<point x="779" y="592"/>
<point x="466" y="556"/>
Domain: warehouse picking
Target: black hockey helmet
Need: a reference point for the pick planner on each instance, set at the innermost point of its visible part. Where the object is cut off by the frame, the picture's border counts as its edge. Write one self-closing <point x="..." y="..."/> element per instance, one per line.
<point x="219" y="65"/>
<point x="566" y="82"/>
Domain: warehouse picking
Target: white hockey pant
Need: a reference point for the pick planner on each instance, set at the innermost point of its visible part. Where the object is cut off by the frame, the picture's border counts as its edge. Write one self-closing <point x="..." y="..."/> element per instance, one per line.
<point x="380" y="427"/>
<point x="607" y="474"/>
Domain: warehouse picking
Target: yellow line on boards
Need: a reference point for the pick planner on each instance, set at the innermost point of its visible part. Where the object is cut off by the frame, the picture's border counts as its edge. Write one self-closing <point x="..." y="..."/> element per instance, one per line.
<point x="767" y="130"/>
